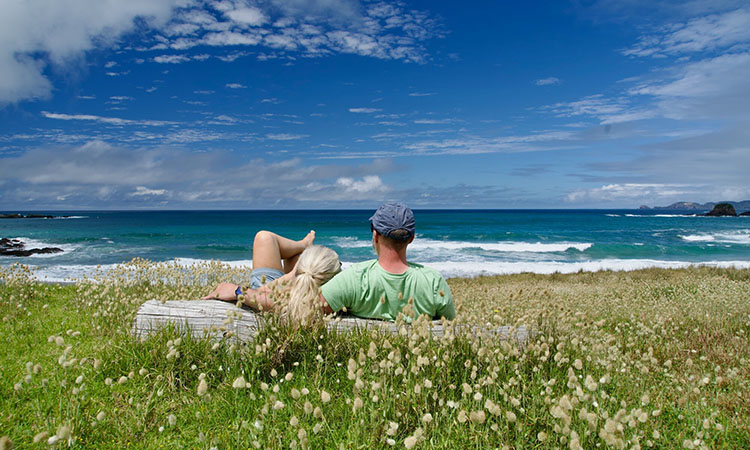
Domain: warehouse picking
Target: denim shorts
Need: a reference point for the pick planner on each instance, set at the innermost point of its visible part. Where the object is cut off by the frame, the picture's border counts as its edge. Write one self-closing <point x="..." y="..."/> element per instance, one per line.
<point x="270" y="274"/>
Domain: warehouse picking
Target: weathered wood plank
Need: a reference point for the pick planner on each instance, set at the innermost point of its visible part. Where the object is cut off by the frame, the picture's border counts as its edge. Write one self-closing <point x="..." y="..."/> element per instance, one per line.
<point x="215" y="319"/>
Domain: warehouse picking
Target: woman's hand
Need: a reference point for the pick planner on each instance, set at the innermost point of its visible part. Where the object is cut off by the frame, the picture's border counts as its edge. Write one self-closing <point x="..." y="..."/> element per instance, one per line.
<point x="224" y="291"/>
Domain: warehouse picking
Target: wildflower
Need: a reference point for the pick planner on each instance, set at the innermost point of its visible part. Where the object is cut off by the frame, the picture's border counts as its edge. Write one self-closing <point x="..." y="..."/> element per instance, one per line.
<point x="317" y="413"/>
<point x="101" y="416"/>
<point x="278" y="405"/>
<point x="357" y="404"/>
<point x="541" y="436"/>
<point x="308" y="408"/>
<point x="239" y="383"/>
<point x="392" y="429"/>
<point x="294" y="421"/>
<point x="63" y="433"/>
<point x="172" y="420"/>
<point x="427" y="418"/>
<point x="123" y="379"/>
<point x="143" y="372"/>
<point x="510" y="416"/>
<point x="325" y="397"/>
<point x="39" y="437"/>
<point x="462" y="417"/>
<point x="410" y="442"/>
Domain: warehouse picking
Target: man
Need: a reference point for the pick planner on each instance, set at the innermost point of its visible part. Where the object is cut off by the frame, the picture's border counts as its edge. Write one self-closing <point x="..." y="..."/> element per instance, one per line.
<point x="384" y="287"/>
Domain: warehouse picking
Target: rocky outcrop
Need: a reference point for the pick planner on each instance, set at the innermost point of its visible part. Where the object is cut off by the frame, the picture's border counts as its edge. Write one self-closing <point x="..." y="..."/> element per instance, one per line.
<point x="746" y="213"/>
<point x="14" y="247"/>
<point x="723" y="209"/>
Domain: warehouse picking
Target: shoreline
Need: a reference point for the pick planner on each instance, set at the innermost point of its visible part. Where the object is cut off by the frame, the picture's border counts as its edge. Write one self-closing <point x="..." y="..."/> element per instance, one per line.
<point x="676" y="266"/>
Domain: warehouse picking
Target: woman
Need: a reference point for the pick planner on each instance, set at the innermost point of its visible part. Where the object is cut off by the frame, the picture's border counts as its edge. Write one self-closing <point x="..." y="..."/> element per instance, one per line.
<point x="285" y="272"/>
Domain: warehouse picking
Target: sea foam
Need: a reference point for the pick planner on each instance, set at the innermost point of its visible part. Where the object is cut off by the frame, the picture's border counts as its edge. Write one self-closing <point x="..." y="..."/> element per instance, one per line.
<point x="502" y="246"/>
<point x="736" y="237"/>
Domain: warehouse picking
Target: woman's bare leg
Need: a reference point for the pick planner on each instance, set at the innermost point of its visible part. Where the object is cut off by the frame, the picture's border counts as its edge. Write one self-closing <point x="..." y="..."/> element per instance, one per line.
<point x="277" y="252"/>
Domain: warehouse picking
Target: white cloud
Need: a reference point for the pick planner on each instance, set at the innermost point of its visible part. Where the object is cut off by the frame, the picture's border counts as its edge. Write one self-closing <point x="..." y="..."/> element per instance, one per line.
<point x="34" y="34"/>
<point x="107" y="120"/>
<point x="250" y="16"/>
<point x="700" y="34"/>
<point x="235" y="86"/>
<point x="548" y="81"/>
<point x="367" y="185"/>
<point x="421" y="94"/>
<point x="434" y="121"/>
<point x="285" y="137"/>
<point x="142" y="190"/>
<point x="312" y="28"/>
<point x="171" y="59"/>
<point x="364" y="110"/>
<point x="709" y="88"/>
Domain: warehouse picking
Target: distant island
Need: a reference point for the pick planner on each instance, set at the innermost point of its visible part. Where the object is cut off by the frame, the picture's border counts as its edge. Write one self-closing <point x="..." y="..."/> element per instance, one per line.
<point x="700" y="207"/>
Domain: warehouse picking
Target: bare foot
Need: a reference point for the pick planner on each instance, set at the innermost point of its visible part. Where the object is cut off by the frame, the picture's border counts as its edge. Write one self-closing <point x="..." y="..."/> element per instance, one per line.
<point x="309" y="239"/>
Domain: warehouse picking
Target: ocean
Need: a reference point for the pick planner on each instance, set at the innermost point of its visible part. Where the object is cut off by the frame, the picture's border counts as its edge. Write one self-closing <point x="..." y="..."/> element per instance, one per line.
<point x="458" y="243"/>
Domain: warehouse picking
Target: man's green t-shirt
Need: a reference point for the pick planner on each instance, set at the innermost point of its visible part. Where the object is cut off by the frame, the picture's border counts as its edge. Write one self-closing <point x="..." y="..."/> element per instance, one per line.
<point x="367" y="290"/>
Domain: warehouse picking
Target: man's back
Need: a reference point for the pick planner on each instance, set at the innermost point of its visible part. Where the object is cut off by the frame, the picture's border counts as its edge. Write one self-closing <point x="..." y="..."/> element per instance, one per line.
<point x="367" y="290"/>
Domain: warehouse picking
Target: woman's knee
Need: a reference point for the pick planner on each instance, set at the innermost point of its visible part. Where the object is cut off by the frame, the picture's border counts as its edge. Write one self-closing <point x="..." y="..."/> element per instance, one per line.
<point x="263" y="237"/>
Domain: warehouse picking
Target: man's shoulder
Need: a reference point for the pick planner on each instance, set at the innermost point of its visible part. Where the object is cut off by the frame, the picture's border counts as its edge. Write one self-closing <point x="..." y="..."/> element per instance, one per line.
<point x="425" y="270"/>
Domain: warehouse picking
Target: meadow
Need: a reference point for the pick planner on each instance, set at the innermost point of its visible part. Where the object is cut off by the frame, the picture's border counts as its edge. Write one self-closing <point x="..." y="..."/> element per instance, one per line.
<point x="644" y="359"/>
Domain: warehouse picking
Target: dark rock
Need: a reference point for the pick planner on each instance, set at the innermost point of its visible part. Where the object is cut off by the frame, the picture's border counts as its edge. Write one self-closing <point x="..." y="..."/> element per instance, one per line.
<point x="722" y="209"/>
<point x="746" y="213"/>
<point x="14" y="247"/>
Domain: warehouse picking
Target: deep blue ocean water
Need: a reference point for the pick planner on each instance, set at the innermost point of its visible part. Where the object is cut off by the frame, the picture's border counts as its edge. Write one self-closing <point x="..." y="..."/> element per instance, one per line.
<point x="456" y="242"/>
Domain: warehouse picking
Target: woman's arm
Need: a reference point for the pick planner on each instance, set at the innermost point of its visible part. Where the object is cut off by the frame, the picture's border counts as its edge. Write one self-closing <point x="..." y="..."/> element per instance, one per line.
<point x="257" y="299"/>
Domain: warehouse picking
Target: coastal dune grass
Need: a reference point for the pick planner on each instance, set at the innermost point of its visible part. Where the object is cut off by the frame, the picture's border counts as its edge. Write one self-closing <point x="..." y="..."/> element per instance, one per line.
<point x="646" y="359"/>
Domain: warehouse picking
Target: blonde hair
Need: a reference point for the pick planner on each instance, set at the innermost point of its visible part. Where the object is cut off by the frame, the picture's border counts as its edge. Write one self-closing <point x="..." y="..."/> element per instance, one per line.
<point x="315" y="266"/>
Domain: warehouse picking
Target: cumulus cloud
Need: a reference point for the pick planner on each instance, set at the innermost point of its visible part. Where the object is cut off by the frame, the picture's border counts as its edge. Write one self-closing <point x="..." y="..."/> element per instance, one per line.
<point x="368" y="184"/>
<point x="235" y="86"/>
<point x="35" y="34"/>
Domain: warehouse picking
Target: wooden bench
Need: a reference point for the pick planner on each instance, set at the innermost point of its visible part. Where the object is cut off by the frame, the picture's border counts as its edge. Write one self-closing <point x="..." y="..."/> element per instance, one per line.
<point x="217" y="319"/>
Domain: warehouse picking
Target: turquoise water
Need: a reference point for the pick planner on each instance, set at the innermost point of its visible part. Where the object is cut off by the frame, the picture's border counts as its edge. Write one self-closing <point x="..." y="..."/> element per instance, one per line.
<point x="456" y="242"/>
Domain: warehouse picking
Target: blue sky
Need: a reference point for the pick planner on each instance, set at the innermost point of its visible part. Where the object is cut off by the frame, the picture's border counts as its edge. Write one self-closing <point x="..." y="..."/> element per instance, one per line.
<point x="187" y="104"/>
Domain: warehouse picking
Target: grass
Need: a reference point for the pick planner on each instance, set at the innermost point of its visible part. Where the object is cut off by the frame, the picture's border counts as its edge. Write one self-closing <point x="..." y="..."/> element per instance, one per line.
<point x="645" y="359"/>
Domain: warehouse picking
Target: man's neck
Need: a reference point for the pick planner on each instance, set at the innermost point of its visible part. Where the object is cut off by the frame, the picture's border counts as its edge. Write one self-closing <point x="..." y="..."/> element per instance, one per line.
<point x="392" y="261"/>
